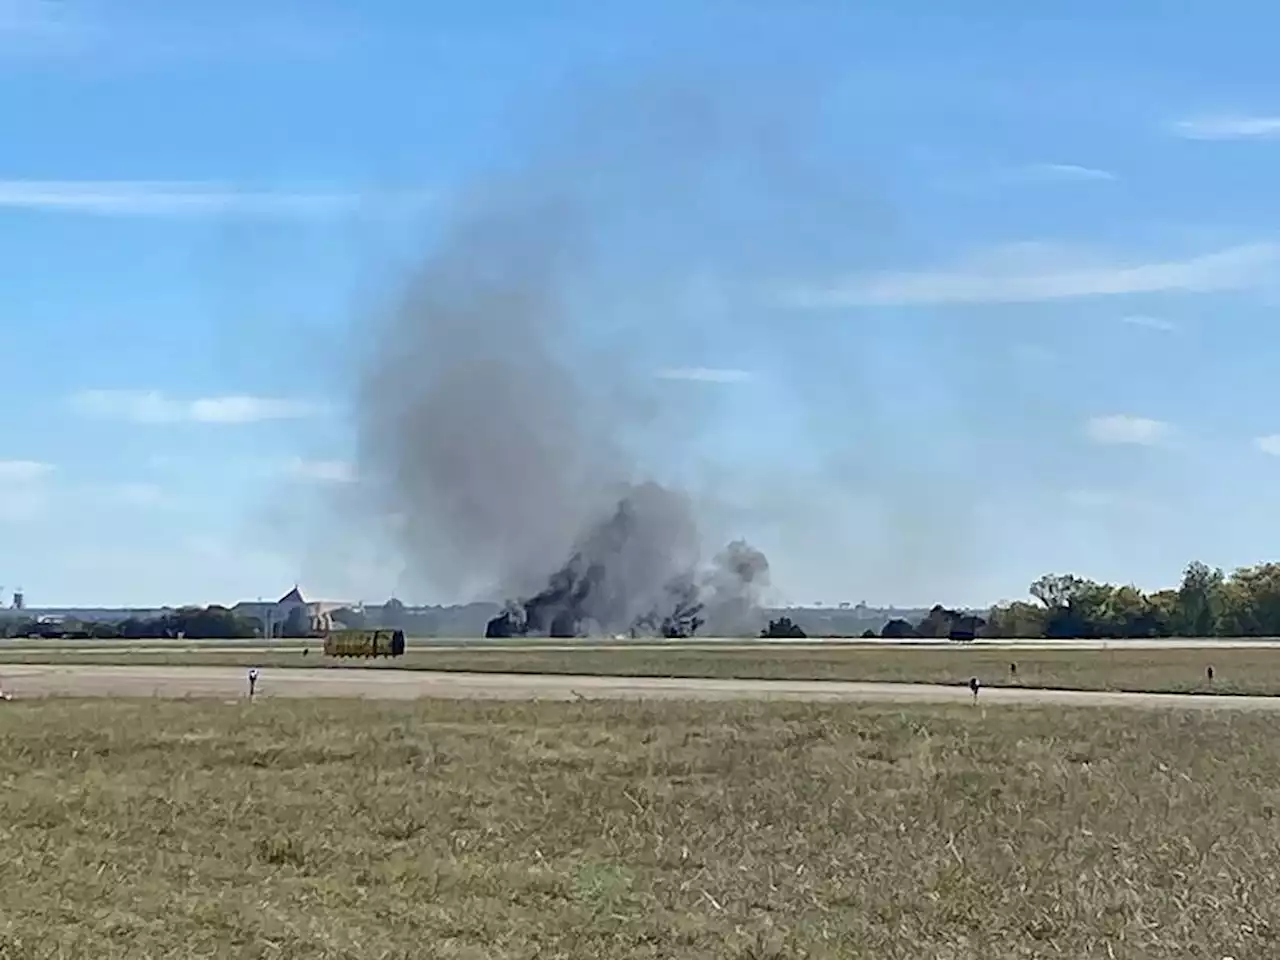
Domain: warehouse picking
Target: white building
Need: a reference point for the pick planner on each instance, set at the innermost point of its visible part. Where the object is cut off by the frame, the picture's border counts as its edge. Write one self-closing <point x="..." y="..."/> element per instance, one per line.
<point x="271" y="617"/>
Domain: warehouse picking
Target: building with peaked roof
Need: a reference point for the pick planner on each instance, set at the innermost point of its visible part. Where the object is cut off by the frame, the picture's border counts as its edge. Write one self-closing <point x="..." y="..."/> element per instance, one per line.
<point x="273" y="619"/>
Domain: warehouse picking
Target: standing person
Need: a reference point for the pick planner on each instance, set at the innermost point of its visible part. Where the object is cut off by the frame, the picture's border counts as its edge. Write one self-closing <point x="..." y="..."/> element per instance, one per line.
<point x="253" y="681"/>
<point x="973" y="687"/>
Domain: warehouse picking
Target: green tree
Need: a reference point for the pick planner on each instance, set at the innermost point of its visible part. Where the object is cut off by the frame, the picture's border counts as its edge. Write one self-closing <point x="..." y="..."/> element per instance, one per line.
<point x="297" y="623"/>
<point x="1016" y="620"/>
<point x="782" y="629"/>
<point x="1200" y="600"/>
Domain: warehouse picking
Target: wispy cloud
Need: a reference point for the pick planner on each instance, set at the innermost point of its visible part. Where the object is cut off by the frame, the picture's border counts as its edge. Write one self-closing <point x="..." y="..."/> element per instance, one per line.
<point x="1270" y="444"/>
<point x="38" y="24"/>
<point x="1032" y="353"/>
<point x="1062" y="172"/>
<point x="1125" y="429"/>
<point x="1150" y="323"/>
<point x="138" y="494"/>
<point x="324" y="471"/>
<point x="706" y="375"/>
<point x="23" y="471"/>
<point x="160" y="198"/>
<point x="1228" y="127"/>
<point x="153" y="406"/>
<point x="1113" y="501"/>
<point x="23" y="493"/>
<point x="43" y="27"/>
<point x="1027" y="273"/>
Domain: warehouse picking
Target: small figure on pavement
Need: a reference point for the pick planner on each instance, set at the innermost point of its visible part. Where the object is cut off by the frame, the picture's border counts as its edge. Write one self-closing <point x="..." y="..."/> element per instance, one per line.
<point x="1013" y="670"/>
<point x="973" y="686"/>
<point x="253" y="681"/>
<point x="1209" y="673"/>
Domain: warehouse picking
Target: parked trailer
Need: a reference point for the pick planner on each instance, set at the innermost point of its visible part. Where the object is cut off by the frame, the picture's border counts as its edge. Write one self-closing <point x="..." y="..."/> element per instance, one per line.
<point x="364" y="643"/>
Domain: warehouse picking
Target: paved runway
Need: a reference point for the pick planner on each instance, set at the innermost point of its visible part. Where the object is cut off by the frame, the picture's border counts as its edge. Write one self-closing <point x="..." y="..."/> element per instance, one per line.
<point x="40" y="680"/>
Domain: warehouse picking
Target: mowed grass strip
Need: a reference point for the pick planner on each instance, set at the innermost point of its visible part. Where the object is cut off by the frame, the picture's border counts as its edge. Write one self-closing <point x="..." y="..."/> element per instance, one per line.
<point x="1236" y="670"/>
<point x="334" y="829"/>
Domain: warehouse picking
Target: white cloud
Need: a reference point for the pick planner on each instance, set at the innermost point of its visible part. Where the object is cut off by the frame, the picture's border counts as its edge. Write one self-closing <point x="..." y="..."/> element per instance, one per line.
<point x="1059" y="171"/>
<point x="1112" y="501"/>
<point x="22" y="503"/>
<point x="153" y="406"/>
<point x="1270" y="444"/>
<point x="21" y="471"/>
<point x="1032" y="353"/>
<point x="1124" y="429"/>
<point x="1150" y="323"/>
<point x="138" y="494"/>
<point x="29" y="25"/>
<point x="192" y="199"/>
<point x="1027" y="273"/>
<point x="706" y="375"/>
<point x="325" y="471"/>
<point x="23" y="494"/>
<point x="1228" y="127"/>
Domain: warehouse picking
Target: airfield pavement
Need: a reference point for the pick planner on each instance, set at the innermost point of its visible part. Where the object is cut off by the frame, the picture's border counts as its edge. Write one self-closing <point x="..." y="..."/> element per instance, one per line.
<point x="78" y="680"/>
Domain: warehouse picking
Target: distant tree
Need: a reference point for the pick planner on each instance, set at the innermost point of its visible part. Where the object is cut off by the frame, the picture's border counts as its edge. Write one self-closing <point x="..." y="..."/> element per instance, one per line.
<point x="1200" y="601"/>
<point x="209" y="623"/>
<point x="392" y="614"/>
<point x="898" y="629"/>
<point x="782" y="629"/>
<point x="1057" y="590"/>
<point x="297" y="623"/>
<point x="1017" y="620"/>
<point x="869" y="634"/>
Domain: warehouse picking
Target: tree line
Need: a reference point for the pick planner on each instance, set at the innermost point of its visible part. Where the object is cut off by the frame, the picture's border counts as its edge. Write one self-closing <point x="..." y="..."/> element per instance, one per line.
<point x="1207" y="603"/>
<point x="193" y="623"/>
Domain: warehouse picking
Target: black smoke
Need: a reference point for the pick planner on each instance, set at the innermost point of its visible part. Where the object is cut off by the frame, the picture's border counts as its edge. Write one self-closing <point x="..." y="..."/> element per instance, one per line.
<point x="636" y="572"/>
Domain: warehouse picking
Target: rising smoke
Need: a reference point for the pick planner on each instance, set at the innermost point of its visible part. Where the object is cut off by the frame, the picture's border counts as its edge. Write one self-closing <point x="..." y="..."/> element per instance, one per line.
<point x="503" y="456"/>
<point x="636" y="572"/>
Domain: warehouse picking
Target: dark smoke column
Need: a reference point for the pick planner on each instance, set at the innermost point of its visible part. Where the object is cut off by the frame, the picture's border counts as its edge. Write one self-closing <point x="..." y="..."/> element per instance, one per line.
<point x="636" y="573"/>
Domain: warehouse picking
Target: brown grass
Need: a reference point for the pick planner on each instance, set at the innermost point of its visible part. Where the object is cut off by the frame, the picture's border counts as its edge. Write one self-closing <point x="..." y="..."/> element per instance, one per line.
<point x="1237" y="671"/>
<point x="602" y="830"/>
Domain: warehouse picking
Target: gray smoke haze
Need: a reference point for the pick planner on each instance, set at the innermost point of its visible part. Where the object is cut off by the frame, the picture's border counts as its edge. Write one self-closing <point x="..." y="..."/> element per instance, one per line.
<point x="500" y="447"/>
<point x="507" y="416"/>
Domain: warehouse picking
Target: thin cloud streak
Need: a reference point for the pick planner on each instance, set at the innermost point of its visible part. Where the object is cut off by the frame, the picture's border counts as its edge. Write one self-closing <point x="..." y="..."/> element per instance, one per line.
<point x="323" y="471"/>
<point x="1228" y="127"/>
<point x="155" y="407"/>
<point x="1150" y="323"/>
<point x="1011" y="276"/>
<point x="22" y="471"/>
<point x="1270" y="444"/>
<point x="161" y="198"/>
<point x="1122" y="429"/>
<point x="706" y="375"/>
<point x="1039" y="172"/>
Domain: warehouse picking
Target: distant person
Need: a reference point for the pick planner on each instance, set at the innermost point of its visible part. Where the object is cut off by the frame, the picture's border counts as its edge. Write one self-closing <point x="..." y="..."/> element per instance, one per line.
<point x="973" y="688"/>
<point x="1209" y="672"/>
<point x="1013" y="671"/>
<point x="253" y="681"/>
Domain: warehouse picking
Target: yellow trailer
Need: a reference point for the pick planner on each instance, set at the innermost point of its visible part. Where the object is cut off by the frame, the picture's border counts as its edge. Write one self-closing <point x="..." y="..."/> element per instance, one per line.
<point x="364" y="643"/>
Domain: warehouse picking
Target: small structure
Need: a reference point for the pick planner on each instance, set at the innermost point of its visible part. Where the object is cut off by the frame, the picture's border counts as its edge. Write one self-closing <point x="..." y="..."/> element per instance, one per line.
<point x="291" y="615"/>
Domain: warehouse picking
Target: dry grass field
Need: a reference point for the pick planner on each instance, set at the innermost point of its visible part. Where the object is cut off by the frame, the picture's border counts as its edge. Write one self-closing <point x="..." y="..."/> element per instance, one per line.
<point x="1236" y="670"/>
<point x="364" y="830"/>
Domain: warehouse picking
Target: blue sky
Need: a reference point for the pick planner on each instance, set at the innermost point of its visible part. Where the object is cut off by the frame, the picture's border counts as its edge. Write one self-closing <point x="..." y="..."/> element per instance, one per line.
<point x="1035" y="330"/>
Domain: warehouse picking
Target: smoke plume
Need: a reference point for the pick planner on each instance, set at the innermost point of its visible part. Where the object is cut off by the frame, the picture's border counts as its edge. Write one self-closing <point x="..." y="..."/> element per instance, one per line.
<point x="501" y="450"/>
